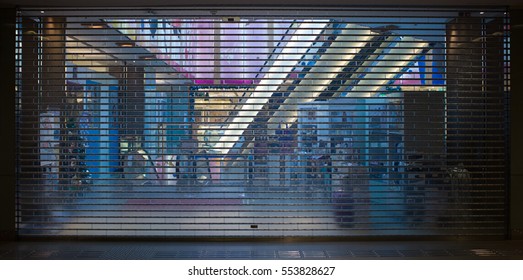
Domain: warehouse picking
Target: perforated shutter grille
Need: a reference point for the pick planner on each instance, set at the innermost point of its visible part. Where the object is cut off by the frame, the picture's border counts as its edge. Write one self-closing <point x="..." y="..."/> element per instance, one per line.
<point x="260" y="122"/>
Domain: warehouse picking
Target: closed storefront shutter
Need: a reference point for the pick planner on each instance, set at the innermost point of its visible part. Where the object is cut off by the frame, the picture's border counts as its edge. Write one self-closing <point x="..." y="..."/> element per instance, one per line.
<point x="262" y="122"/>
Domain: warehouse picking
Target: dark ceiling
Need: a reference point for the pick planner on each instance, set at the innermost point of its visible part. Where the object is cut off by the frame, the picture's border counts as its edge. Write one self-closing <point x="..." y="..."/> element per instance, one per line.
<point x="173" y="3"/>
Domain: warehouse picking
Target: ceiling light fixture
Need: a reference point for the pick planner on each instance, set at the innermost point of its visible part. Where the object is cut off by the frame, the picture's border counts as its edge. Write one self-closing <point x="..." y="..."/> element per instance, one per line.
<point x="147" y="57"/>
<point x="94" y="25"/>
<point x="125" y="44"/>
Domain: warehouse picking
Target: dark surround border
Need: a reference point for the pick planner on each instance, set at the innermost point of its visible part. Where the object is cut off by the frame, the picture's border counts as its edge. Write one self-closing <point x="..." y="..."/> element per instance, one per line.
<point x="7" y="87"/>
<point x="224" y="4"/>
<point x="7" y="125"/>
<point x="516" y="117"/>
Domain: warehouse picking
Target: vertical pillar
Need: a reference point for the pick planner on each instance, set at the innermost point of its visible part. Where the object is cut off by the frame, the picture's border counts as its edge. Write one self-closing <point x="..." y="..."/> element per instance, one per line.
<point x="464" y="92"/>
<point x="475" y="94"/>
<point x="7" y="124"/>
<point x="42" y="89"/>
<point x="53" y="63"/>
<point x="476" y="117"/>
<point x="42" y="84"/>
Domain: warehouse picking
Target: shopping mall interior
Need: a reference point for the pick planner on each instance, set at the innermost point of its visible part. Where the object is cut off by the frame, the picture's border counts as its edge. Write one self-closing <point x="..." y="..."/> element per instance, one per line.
<point x="197" y="131"/>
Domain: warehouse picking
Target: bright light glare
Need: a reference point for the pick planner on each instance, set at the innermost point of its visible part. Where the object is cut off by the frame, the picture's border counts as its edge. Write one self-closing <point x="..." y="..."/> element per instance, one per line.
<point x="396" y="59"/>
<point x="298" y="45"/>
<point x="325" y="70"/>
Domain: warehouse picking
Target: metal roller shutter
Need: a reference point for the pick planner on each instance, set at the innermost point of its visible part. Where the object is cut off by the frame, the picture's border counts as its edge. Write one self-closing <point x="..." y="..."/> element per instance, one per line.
<point x="262" y="122"/>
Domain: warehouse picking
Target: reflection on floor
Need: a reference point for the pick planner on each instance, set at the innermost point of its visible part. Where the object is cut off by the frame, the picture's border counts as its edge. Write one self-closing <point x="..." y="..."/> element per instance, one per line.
<point x="268" y="250"/>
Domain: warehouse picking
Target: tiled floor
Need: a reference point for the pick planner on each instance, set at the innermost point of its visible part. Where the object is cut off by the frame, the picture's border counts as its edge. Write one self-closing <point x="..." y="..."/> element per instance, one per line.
<point x="167" y="250"/>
